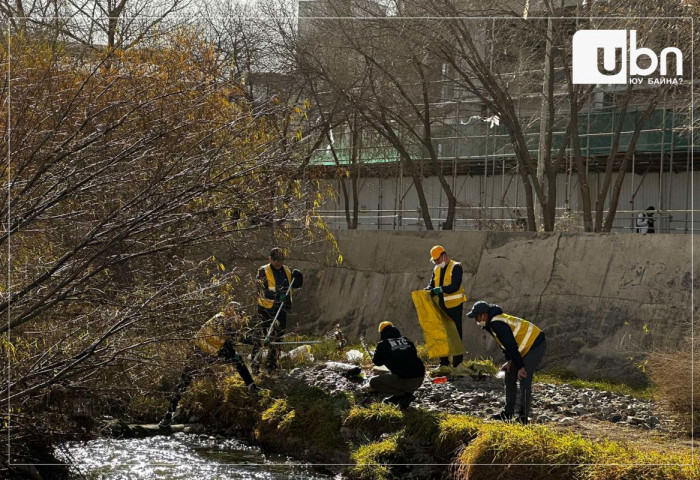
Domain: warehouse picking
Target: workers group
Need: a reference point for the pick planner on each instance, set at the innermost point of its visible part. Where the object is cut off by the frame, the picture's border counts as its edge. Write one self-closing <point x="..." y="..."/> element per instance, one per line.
<point x="522" y="342"/>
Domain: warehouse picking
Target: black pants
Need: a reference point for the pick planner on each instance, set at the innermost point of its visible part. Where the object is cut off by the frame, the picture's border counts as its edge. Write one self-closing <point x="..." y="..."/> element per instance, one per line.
<point x="456" y="315"/>
<point x="200" y="360"/>
<point x="266" y="315"/>
<point x="531" y="362"/>
<point x="392" y="384"/>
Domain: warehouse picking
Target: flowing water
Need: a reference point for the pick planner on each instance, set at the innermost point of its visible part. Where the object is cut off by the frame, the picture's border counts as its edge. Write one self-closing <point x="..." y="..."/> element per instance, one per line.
<point x="180" y="457"/>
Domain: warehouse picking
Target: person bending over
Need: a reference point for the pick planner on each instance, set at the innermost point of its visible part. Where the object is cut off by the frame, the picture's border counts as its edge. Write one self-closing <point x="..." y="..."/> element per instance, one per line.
<point x="524" y="347"/>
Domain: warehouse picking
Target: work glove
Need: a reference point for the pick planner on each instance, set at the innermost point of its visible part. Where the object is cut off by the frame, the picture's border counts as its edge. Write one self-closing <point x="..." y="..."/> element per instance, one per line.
<point x="298" y="278"/>
<point x="436" y="291"/>
<point x="282" y="297"/>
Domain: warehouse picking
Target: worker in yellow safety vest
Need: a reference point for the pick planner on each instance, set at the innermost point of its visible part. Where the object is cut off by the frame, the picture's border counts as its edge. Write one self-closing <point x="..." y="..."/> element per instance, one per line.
<point x="524" y="347"/>
<point x="274" y="295"/>
<point x="213" y="342"/>
<point x="446" y="285"/>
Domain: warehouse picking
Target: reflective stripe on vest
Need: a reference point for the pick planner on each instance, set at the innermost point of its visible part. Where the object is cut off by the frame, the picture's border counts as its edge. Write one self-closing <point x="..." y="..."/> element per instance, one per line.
<point x="524" y="332"/>
<point x="211" y="337"/>
<point x="451" y="299"/>
<point x="271" y="286"/>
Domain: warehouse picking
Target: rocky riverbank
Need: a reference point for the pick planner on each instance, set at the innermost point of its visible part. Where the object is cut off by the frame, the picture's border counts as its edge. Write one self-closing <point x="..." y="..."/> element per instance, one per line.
<point x="317" y="414"/>
<point x="482" y="397"/>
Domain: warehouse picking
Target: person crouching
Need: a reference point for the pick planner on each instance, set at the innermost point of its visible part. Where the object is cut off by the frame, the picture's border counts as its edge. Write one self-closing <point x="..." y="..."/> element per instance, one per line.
<point x="399" y="355"/>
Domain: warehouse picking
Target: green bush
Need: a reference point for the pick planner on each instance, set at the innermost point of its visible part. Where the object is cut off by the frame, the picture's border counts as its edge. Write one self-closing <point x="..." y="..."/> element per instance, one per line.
<point x="422" y="424"/>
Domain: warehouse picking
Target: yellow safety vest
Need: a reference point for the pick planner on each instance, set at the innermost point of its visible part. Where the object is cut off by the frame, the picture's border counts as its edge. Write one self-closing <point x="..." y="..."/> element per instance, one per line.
<point x="269" y="302"/>
<point x="451" y="299"/>
<point x="525" y="332"/>
<point x="211" y="337"/>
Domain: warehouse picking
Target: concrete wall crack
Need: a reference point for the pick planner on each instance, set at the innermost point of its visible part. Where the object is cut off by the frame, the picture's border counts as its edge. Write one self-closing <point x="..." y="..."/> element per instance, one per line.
<point x="549" y="280"/>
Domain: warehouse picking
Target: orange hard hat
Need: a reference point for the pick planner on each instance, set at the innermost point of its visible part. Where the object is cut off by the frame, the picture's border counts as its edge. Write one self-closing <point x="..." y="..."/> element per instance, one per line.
<point x="383" y="325"/>
<point x="436" y="251"/>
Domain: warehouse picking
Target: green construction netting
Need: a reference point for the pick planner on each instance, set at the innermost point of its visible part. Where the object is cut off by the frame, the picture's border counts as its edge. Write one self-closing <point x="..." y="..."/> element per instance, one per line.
<point x="664" y="130"/>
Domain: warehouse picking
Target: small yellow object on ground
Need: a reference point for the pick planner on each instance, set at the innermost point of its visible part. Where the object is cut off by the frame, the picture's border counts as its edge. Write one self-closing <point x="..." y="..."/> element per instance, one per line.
<point x="441" y="337"/>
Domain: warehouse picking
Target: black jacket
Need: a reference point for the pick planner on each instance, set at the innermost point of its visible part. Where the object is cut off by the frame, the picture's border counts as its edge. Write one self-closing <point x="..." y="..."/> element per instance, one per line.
<point x="398" y="354"/>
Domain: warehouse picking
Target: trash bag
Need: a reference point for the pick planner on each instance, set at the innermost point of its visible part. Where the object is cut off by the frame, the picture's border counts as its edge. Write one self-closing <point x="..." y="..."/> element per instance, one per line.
<point x="439" y="331"/>
<point x="354" y="356"/>
<point x="346" y="369"/>
<point x="302" y="352"/>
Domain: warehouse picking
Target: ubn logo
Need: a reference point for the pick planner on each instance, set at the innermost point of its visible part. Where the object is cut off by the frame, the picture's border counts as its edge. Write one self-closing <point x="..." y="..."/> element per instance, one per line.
<point x="600" y="56"/>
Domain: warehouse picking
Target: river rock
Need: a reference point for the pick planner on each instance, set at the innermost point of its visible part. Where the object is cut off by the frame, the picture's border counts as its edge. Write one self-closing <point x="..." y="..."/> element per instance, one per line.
<point x="615" y="417"/>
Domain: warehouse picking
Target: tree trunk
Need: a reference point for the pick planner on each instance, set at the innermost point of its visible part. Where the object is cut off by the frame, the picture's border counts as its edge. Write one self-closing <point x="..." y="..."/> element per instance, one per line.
<point x="386" y="130"/>
<point x="341" y="180"/>
<point x="355" y="161"/>
<point x="625" y="162"/>
<point x="545" y="139"/>
<point x="584" y="188"/>
<point x="614" y="149"/>
<point x="427" y="142"/>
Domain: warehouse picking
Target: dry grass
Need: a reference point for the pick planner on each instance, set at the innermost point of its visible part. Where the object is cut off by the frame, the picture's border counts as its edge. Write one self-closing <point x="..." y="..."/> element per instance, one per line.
<point x="372" y="460"/>
<point x="305" y="420"/>
<point x="518" y="452"/>
<point x="671" y="373"/>
<point x="376" y="419"/>
<point x="562" y="376"/>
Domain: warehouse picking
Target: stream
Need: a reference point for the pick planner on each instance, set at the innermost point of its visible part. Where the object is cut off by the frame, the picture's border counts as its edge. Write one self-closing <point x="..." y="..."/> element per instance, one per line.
<point x="179" y="457"/>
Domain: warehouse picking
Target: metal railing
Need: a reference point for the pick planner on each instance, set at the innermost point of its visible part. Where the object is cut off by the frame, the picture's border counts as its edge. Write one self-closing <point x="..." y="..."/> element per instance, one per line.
<point x="506" y="218"/>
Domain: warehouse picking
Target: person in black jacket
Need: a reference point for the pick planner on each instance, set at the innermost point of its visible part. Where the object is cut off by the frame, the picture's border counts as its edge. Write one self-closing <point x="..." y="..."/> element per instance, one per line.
<point x="399" y="355"/>
<point x="524" y="346"/>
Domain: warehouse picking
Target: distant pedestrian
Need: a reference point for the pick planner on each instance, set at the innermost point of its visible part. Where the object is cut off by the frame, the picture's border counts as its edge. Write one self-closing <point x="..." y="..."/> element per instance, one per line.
<point x="524" y="347"/>
<point x="645" y="221"/>
<point x="406" y="369"/>
<point x="446" y="284"/>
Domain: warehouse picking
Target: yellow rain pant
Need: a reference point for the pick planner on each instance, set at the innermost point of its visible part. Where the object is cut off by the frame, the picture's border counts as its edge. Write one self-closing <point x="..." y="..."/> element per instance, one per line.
<point x="441" y="337"/>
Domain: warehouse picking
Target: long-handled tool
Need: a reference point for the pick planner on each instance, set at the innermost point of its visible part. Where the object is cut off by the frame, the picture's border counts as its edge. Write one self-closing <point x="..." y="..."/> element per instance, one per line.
<point x="364" y="344"/>
<point x="266" y="340"/>
<point x="301" y="342"/>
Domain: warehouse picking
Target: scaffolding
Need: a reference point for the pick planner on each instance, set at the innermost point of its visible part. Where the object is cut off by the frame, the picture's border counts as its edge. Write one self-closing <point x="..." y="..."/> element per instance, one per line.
<point x="469" y="146"/>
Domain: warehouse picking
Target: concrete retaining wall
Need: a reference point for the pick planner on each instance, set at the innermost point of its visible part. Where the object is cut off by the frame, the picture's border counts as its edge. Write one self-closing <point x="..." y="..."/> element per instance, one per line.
<point x="603" y="300"/>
